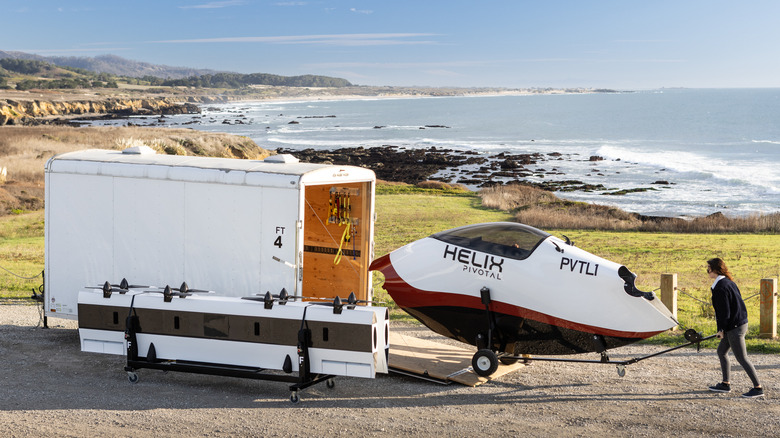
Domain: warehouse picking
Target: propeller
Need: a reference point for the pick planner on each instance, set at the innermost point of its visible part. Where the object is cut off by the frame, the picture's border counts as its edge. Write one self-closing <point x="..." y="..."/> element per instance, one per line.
<point x="269" y="299"/>
<point x="186" y="289"/>
<point x="352" y="300"/>
<point x="337" y="302"/>
<point x="108" y="289"/>
<point x="124" y="285"/>
<point x="168" y="293"/>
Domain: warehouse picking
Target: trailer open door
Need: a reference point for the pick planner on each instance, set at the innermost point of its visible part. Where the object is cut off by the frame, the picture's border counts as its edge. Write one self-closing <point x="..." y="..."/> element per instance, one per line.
<point x="337" y="238"/>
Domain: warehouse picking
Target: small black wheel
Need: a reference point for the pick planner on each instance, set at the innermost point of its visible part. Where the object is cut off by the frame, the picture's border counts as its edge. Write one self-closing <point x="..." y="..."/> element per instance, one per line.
<point x="294" y="397"/>
<point x="508" y="360"/>
<point x="484" y="362"/>
<point x="132" y="377"/>
<point x="330" y="383"/>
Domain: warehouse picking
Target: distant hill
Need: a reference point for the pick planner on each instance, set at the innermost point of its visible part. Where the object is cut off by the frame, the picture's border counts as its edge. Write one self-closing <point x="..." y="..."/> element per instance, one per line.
<point x="155" y="75"/>
<point x="114" y="65"/>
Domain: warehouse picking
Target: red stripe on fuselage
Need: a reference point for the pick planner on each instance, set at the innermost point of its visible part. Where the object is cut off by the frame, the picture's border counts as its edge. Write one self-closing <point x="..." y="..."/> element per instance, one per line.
<point x="407" y="296"/>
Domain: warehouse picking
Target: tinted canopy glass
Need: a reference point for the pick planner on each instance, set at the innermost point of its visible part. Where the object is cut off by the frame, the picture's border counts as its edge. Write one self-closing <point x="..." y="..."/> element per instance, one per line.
<point x="505" y="239"/>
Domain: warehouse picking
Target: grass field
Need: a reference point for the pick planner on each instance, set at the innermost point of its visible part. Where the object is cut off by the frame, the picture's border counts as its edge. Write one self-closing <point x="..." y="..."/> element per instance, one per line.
<point x="406" y="214"/>
<point x="21" y="252"/>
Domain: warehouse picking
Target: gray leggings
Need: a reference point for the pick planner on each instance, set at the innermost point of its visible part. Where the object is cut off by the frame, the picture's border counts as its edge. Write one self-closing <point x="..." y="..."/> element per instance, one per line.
<point x="734" y="340"/>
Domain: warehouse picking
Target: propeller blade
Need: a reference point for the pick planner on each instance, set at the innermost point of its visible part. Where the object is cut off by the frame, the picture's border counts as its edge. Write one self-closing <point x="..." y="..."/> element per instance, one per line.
<point x="107" y="289"/>
<point x="186" y="289"/>
<point x="123" y="285"/>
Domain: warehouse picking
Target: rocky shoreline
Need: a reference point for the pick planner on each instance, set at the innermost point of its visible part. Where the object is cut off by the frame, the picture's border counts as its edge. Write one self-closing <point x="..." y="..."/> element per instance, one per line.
<point x="389" y="162"/>
<point x="45" y="107"/>
<point x="35" y="111"/>
<point x="469" y="168"/>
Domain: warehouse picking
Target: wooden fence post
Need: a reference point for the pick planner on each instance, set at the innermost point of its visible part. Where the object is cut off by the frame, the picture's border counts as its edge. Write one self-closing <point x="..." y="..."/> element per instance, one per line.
<point x="669" y="292"/>
<point x="768" y="328"/>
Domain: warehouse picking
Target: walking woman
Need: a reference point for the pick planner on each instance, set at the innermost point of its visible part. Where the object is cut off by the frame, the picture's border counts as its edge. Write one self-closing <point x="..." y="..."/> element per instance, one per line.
<point x="731" y="317"/>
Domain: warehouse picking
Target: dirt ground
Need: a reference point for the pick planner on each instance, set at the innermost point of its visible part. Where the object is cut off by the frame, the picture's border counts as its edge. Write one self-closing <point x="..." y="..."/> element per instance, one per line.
<point x="49" y="387"/>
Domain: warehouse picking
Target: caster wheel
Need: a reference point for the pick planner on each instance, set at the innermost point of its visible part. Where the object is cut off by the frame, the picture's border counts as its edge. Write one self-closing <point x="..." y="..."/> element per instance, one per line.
<point x="294" y="397"/>
<point x="508" y="360"/>
<point x="484" y="362"/>
<point x="132" y="377"/>
<point x="330" y="383"/>
<point x="621" y="370"/>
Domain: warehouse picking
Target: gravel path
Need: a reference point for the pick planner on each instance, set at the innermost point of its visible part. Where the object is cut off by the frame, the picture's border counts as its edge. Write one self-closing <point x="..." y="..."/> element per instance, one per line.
<point x="50" y="387"/>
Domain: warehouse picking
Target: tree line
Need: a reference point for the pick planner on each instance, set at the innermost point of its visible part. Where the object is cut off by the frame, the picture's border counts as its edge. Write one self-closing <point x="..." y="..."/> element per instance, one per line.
<point x="81" y="78"/>
<point x="74" y="77"/>
<point x="238" y="80"/>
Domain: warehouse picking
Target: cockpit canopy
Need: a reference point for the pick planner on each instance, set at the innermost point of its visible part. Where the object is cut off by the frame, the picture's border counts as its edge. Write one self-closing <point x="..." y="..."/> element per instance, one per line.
<point x="505" y="239"/>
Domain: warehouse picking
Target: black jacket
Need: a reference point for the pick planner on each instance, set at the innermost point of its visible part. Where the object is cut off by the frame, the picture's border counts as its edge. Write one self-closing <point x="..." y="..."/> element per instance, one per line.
<point x="730" y="311"/>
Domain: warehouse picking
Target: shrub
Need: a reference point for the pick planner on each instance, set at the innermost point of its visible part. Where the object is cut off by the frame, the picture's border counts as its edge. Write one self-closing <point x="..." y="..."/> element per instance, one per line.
<point x="514" y="196"/>
<point x="439" y="185"/>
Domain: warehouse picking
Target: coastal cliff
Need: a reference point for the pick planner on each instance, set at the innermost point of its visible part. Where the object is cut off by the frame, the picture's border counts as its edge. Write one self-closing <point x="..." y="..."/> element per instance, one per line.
<point x="26" y="112"/>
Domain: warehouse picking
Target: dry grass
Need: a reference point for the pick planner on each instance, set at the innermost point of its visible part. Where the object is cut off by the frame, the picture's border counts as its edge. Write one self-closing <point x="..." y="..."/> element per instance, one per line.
<point x="514" y="196"/>
<point x="544" y="210"/>
<point x="24" y="151"/>
<point x="439" y="185"/>
<point x="577" y="216"/>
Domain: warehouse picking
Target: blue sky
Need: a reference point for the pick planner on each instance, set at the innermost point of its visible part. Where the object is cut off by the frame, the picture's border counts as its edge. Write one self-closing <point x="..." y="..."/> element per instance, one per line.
<point x="624" y="44"/>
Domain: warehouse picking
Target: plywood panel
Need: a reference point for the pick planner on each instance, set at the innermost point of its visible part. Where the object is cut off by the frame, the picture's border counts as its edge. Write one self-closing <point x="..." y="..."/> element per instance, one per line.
<point x="326" y="275"/>
<point x="438" y="360"/>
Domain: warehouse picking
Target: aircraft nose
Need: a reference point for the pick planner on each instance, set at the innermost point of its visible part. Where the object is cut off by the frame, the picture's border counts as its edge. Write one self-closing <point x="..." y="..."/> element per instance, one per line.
<point x="380" y="264"/>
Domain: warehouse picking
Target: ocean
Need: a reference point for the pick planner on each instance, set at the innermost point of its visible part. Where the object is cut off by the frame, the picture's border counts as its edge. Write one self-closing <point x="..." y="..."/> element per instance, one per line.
<point x="697" y="151"/>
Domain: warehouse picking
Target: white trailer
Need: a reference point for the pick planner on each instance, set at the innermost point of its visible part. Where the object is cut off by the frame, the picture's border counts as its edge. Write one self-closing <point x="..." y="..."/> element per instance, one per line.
<point x="237" y="227"/>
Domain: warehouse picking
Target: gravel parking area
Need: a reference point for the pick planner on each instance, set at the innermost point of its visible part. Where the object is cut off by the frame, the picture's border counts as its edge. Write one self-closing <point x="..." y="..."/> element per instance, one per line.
<point x="51" y="388"/>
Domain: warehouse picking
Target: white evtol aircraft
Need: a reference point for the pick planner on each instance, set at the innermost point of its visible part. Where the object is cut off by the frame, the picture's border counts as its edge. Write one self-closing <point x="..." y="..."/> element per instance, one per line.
<point x="512" y="289"/>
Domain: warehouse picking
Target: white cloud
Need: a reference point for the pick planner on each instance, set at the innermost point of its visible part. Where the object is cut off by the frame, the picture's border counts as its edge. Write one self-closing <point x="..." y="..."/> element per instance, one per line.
<point x="440" y="67"/>
<point x="361" y="39"/>
<point x="361" y="11"/>
<point x="644" y="41"/>
<point x="215" y="5"/>
<point x="59" y="52"/>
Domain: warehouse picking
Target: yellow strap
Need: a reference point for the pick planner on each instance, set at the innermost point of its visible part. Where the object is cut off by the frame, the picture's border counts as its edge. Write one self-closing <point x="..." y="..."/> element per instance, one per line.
<point x="343" y="239"/>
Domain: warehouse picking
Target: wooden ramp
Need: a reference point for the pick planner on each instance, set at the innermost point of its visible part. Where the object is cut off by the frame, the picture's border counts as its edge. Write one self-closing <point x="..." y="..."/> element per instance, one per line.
<point x="436" y="361"/>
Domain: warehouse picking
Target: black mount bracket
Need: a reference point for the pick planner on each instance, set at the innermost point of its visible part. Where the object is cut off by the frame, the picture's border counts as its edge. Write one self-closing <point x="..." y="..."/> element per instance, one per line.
<point x="303" y="380"/>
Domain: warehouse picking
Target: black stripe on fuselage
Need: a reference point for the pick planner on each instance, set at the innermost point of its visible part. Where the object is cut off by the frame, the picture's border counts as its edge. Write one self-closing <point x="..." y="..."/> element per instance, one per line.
<point x="513" y="334"/>
<point x="240" y="328"/>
